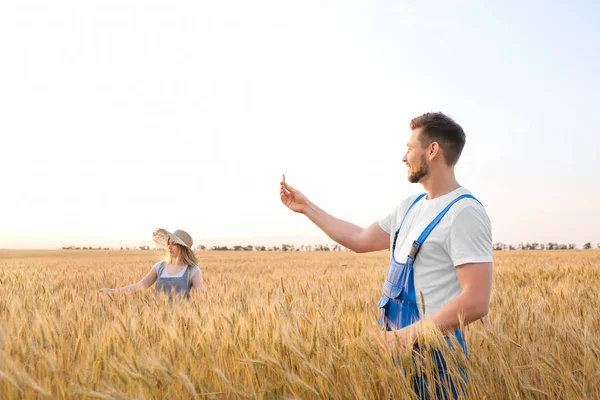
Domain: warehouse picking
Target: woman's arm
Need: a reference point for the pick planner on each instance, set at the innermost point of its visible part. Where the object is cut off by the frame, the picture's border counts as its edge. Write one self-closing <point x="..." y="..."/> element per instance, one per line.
<point x="197" y="282"/>
<point x="144" y="283"/>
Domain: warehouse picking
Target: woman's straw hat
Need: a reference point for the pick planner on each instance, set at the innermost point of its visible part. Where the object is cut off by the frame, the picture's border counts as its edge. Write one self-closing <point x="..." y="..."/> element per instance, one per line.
<point x="180" y="237"/>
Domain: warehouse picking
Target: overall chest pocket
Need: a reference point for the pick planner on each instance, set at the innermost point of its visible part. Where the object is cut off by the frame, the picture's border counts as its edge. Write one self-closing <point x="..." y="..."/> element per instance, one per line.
<point x="172" y="284"/>
<point x="392" y="293"/>
<point x="396" y="283"/>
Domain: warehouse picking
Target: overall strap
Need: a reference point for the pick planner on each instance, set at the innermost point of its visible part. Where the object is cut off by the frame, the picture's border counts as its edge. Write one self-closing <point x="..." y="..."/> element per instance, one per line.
<point x="403" y="218"/>
<point x="188" y="273"/>
<point x="416" y="246"/>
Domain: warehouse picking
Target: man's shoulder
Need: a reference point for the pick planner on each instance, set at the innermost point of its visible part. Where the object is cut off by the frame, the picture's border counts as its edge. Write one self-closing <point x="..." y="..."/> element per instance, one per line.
<point x="405" y="204"/>
<point x="388" y="222"/>
<point x="465" y="202"/>
<point x="469" y="209"/>
<point x="408" y="201"/>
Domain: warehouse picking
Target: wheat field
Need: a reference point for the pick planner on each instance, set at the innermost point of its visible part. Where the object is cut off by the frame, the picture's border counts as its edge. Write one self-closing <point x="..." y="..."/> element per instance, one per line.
<point x="280" y="325"/>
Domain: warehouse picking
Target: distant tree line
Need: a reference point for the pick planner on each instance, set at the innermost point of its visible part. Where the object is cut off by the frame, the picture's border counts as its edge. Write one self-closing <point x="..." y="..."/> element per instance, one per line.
<point x="84" y="248"/>
<point x="105" y="248"/>
<point x="542" y="246"/>
<point x="284" y="247"/>
<point x="336" y="247"/>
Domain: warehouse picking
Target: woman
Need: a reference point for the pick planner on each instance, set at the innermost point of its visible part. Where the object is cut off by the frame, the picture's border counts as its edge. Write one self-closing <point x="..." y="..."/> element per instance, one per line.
<point x="178" y="273"/>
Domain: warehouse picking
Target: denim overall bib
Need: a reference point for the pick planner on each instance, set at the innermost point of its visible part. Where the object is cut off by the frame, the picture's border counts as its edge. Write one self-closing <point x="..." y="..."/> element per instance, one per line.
<point x="174" y="285"/>
<point x="399" y="300"/>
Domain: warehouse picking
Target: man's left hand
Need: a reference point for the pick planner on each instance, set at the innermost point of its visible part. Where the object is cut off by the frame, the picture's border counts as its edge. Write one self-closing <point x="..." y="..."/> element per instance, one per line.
<point x="399" y="337"/>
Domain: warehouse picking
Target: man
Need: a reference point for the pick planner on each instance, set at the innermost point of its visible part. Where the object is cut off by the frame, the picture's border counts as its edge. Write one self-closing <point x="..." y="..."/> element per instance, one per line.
<point x="441" y="244"/>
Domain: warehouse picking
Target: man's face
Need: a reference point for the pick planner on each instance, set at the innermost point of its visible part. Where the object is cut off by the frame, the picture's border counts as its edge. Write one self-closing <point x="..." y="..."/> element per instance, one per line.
<point x="415" y="158"/>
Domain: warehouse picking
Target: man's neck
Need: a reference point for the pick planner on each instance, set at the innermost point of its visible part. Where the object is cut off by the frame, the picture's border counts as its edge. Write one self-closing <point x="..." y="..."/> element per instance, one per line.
<point x="439" y="184"/>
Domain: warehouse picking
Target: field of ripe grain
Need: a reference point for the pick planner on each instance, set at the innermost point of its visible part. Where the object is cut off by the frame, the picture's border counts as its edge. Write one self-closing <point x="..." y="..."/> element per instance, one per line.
<point x="279" y="325"/>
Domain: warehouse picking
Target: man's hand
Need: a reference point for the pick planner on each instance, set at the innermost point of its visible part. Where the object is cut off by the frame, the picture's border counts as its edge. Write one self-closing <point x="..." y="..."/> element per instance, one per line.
<point x="411" y="333"/>
<point x="292" y="198"/>
<point x="107" y="291"/>
<point x="399" y="338"/>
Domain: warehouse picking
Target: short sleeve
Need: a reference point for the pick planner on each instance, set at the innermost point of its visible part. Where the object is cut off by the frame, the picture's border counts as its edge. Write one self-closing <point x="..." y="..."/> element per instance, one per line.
<point x="385" y="223"/>
<point x="388" y="223"/>
<point x="195" y="270"/>
<point x="157" y="266"/>
<point x="470" y="239"/>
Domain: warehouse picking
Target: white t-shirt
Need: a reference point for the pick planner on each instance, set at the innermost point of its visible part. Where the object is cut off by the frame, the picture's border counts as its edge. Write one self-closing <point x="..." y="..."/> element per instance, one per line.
<point x="463" y="236"/>
<point x="165" y="273"/>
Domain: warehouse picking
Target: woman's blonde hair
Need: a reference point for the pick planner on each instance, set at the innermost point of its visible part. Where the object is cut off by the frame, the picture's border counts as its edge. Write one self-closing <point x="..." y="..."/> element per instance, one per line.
<point x="186" y="255"/>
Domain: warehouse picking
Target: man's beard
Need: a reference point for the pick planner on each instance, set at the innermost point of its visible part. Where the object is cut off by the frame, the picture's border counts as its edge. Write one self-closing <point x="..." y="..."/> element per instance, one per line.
<point x="415" y="177"/>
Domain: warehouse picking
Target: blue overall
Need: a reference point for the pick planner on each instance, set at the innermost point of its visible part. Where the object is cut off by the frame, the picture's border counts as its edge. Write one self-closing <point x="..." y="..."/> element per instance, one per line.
<point x="399" y="300"/>
<point x="181" y="285"/>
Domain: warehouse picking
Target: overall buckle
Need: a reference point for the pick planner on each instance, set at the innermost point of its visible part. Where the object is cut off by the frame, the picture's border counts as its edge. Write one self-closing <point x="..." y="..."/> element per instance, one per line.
<point x="414" y="249"/>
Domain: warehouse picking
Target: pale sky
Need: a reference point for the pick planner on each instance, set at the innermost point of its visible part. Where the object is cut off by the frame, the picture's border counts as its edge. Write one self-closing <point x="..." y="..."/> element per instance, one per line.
<point x="119" y="117"/>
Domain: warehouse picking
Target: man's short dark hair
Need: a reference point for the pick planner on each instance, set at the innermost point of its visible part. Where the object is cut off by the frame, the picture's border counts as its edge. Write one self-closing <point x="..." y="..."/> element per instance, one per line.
<point x="440" y="128"/>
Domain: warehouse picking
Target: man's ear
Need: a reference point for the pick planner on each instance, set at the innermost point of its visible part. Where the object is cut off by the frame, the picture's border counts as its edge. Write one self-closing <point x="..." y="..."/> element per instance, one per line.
<point x="434" y="150"/>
